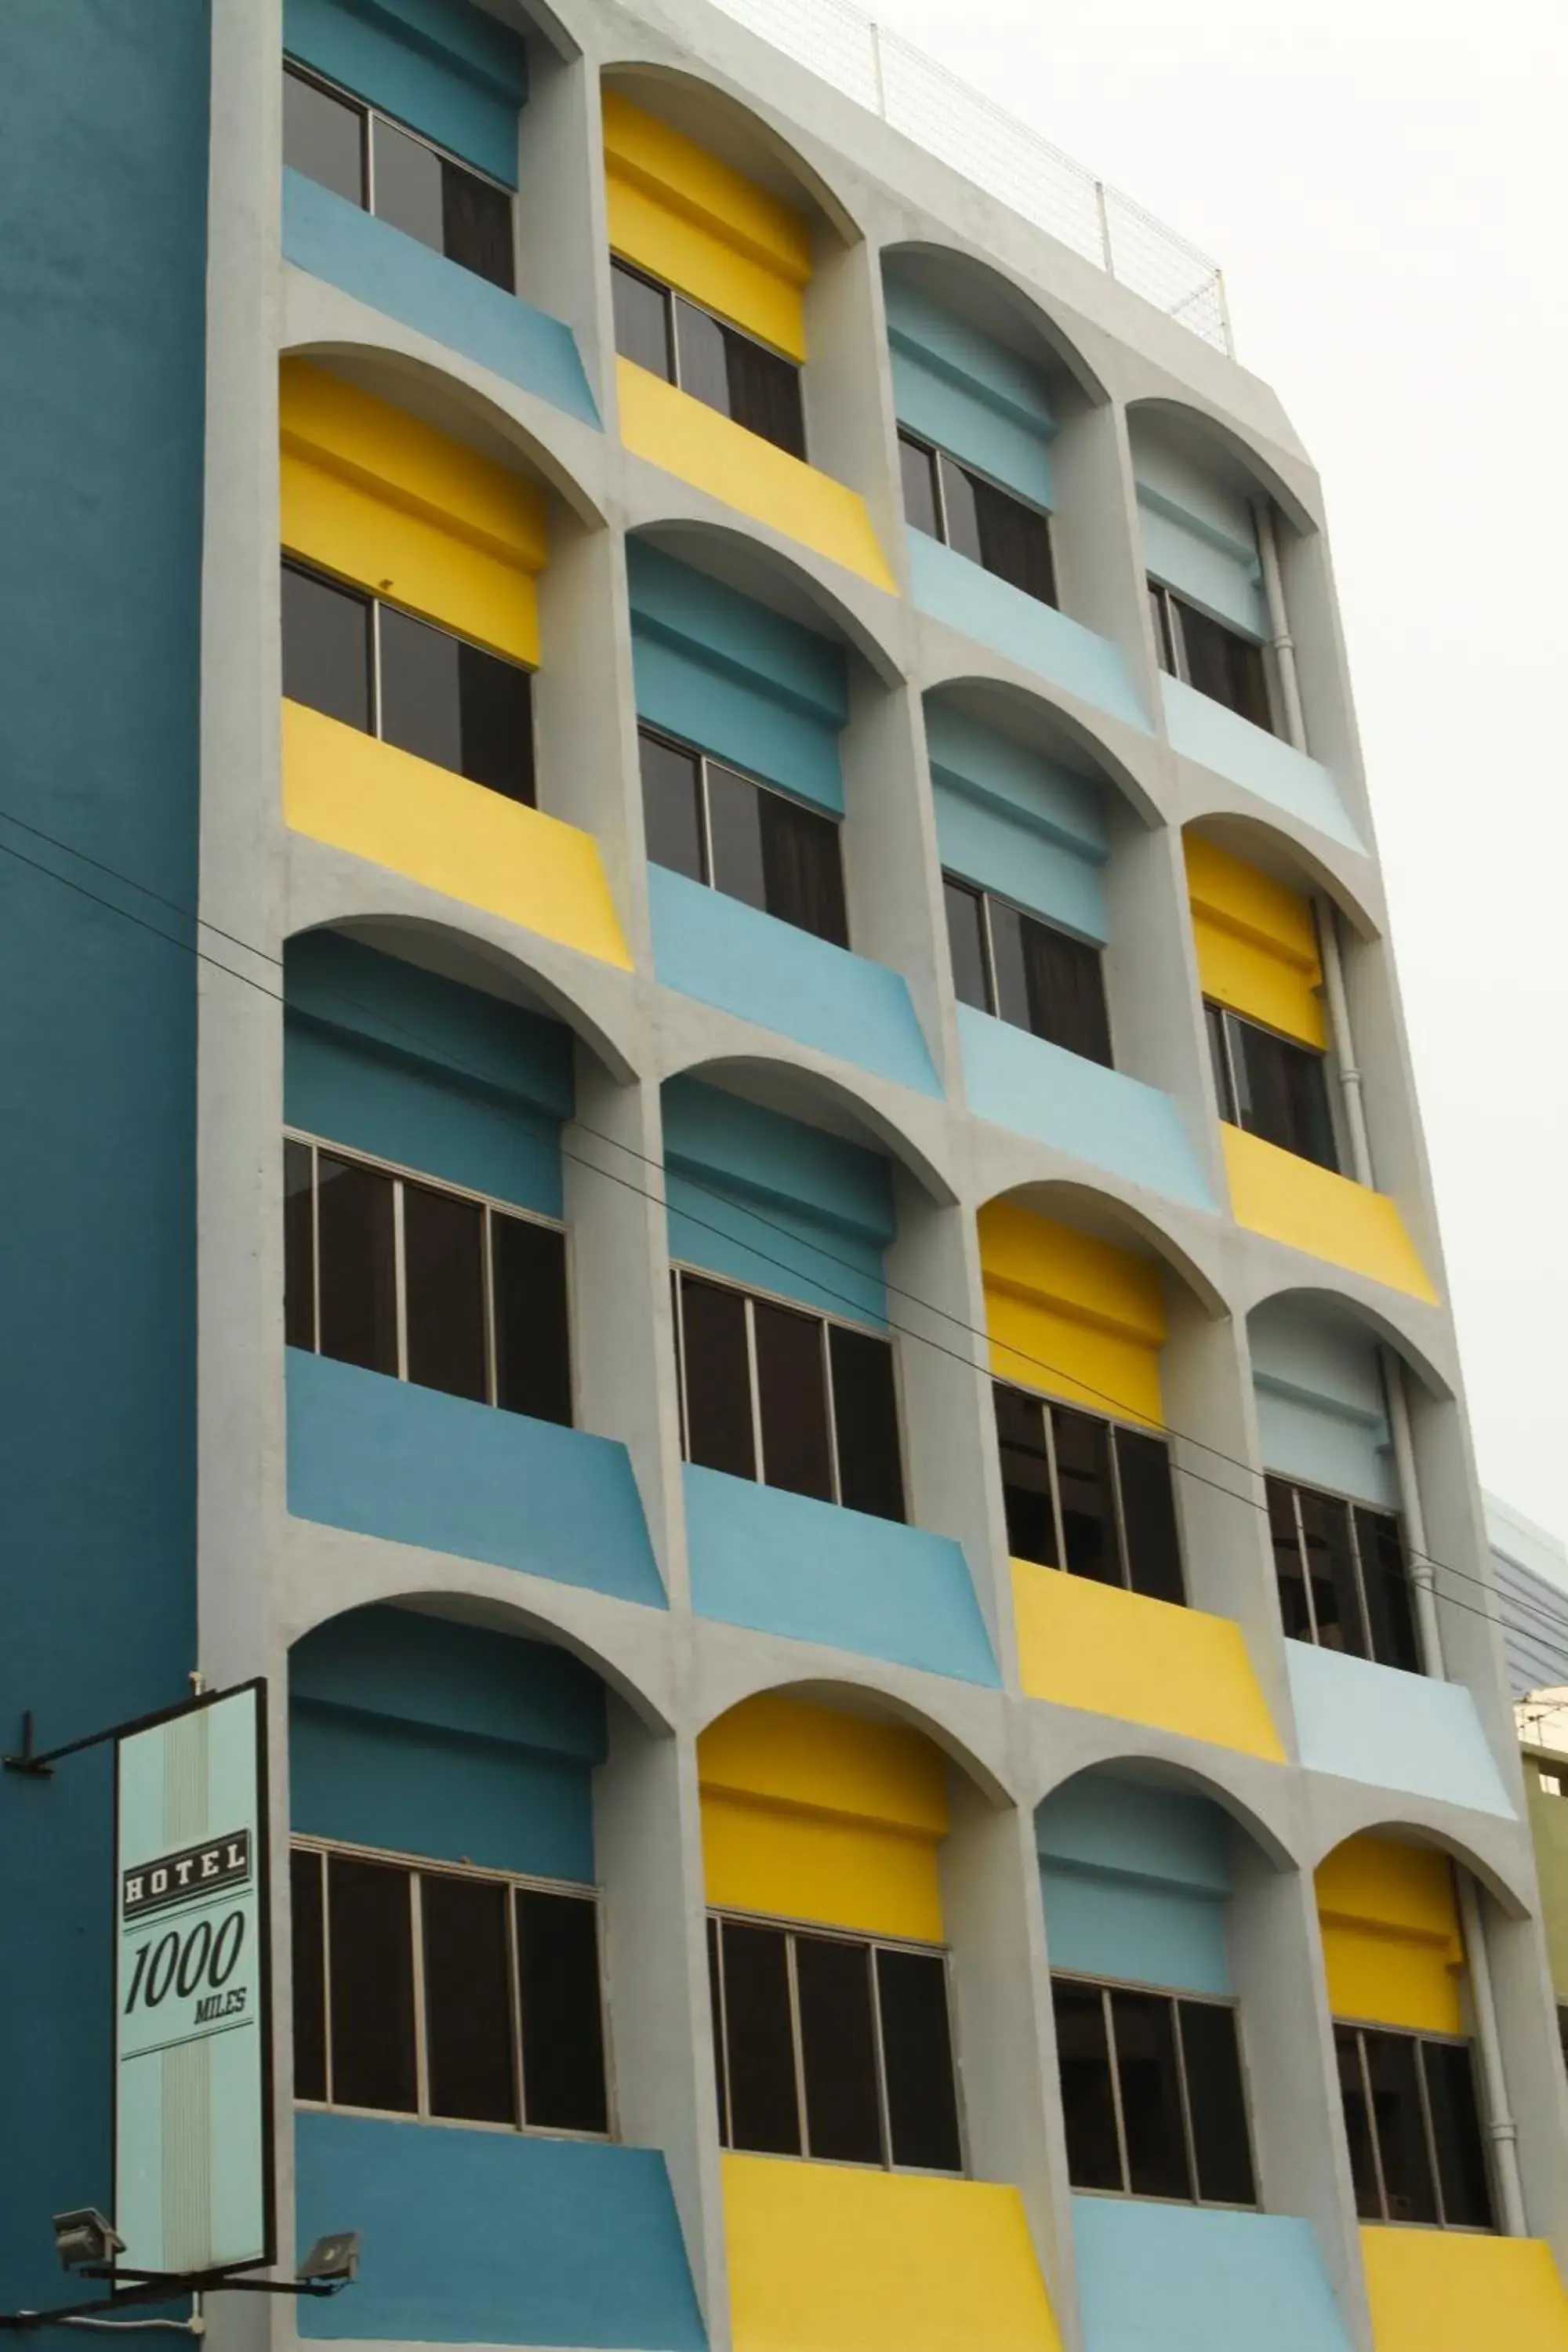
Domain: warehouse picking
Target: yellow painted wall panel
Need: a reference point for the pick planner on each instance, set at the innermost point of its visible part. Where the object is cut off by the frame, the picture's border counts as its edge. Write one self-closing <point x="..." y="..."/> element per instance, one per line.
<point x="679" y="213"/>
<point x="811" y="1814"/>
<point x="1392" y="1945"/>
<point x="1072" y="1315"/>
<point x="835" y="2258"/>
<point x="1256" y="943"/>
<point x="1120" y="1653"/>
<point x="384" y="804"/>
<point x="384" y="498"/>
<point x="713" y="453"/>
<point x="1311" y="1208"/>
<point x="1447" y="2291"/>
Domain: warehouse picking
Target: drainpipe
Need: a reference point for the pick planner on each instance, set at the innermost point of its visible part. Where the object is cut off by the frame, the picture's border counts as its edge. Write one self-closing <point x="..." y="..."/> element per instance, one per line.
<point x="1280" y="636"/>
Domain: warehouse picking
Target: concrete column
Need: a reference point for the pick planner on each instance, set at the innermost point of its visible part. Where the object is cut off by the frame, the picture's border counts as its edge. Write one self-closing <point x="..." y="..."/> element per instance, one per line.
<point x="561" y="244"/>
<point x="1094" y="531"/>
<point x="1151" y="979"/>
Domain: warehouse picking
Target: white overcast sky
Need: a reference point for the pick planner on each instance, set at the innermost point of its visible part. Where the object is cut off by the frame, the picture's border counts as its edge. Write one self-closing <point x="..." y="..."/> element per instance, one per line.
<point x="1383" y="184"/>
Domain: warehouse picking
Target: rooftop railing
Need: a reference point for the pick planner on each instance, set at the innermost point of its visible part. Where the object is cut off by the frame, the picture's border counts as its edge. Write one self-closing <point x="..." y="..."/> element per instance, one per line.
<point x="888" y="75"/>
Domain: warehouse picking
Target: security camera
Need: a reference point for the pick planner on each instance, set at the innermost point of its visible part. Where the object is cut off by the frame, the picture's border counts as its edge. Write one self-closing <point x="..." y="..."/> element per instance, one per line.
<point x="332" y="2261"/>
<point x="85" y="2236"/>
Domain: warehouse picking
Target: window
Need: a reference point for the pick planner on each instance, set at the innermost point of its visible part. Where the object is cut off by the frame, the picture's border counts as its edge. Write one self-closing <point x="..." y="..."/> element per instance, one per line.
<point x="1026" y="971"/>
<point x="831" y="2046"/>
<point x="717" y="363"/>
<point x="1550" y="1783"/>
<point x="1151" y="2094"/>
<point x="1000" y="532"/>
<point x="1090" y="1496"/>
<point x="1214" y="659"/>
<point x="1272" y="1087"/>
<point x="717" y="826"/>
<point x="421" y="1990"/>
<point x="1344" y="1581"/>
<point x="398" y="175"/>
<point x="439" y="1287"/>
<point x="407" y="681"/>
<point x="1415" y="2148"/>
<point x="775" y="1393"/>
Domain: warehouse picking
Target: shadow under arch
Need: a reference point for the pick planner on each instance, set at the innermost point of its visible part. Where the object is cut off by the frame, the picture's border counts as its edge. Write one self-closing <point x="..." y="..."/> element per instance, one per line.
<point x="450" y="405"/>
<point x="1105" y="1216"/>
<point x="470" y="962"/>
<point x="739" y="561"/>
<point x="1046" y="723"/>
<point x="1365" y="1318"/>
<point x="1397" y="1830"/>
<point x="780" y="1083"/>
<point x="1223" y="437"/>
<point x="993" y="299"/>
<point x="1135" y="1767"/>
<point x="1278" y="853"/>
<point x="512" y="1622"/>
<point x="873" y="1703"/>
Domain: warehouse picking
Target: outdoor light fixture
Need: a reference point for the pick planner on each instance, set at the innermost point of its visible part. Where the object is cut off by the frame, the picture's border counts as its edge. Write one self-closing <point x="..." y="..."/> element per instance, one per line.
<point x="85" y="2235"/>
<point x="332" y="2261"/>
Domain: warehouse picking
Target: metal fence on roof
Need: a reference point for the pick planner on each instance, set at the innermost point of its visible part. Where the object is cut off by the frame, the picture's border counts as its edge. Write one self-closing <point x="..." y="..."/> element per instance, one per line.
<point x="890" y="75"/>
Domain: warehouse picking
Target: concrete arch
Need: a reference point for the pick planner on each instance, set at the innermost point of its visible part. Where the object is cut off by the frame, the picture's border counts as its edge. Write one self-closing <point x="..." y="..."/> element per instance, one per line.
<point x="1039" y="711"/>
<point x="1505" y="1876"/>
<point x="1149" y="1767"/>
<point x="536" y="977"/>
<point x="878" y="1702"/>
<point x="1099" y="1207"/>
<point x="780" y="1081"/>
<point x="735" y="133"/>
<point x="1383" y="1327"/>
<point x="1271" y="846"/>
<point x="442" y="399"/>
<point x="1237" y="446"/>
<point x="997" y="289"/>
<point x="746" y="564"/>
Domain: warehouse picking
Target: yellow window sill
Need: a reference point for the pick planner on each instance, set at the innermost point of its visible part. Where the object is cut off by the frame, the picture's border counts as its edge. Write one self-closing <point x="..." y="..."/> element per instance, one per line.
<point x="1309" y="1208"/>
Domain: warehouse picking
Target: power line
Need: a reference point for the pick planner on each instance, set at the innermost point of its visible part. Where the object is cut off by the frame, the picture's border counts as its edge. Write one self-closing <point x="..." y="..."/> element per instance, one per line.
<point x="1118" y="1405"/>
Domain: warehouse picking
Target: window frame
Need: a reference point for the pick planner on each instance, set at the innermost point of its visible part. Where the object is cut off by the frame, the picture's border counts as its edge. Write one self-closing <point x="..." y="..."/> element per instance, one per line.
<point x="492" y="1207"/>
<point x="1171" y="647"/>
<point x="705" y="760"/>
<point x="936" y="452"/>
<point x="418" y="1866"/>
<point x="368" y="113"/>
<point x="1228" y="1096"/>
<point x="671" y="295"/>
<point x="1352" y="1504"/>
<point x="1106" y="1987"/>
<point x="751" y="1293"/>
<point x="985" y="899"/>
<point x="1361" y="2027"/>
<point x="1112" y="1422"/>
<point x="860" y="1939"/>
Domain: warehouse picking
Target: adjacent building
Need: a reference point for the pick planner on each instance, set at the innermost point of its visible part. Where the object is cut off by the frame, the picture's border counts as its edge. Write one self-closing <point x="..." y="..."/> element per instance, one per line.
<point x="711" y="1138"/>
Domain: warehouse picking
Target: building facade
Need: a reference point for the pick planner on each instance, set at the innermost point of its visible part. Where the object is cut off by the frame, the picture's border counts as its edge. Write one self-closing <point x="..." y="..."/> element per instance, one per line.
<point x="714" y="1143"/>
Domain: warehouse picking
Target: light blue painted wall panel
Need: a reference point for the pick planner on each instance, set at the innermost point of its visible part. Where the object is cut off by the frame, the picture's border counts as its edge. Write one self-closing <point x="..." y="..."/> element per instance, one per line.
<point x="736" y="680"/>
<point x="1180" y="2278"/>
<point x="1232" y="746"/>
<point x="385" y="1458"/>
<point x="449" y="69"/>
<point x="981" y="844"/>
<point x="1134" y="1881"/>
<point x="726" y="953"/>
<point x="1024" y="1082"/>
<point x="771" y="1202"/>
<point x="384" y="1058"/>
<point x="394" y="274"/>
<point x="1321" y="1409"/>
<point x="1018" y="823"/>
<point x="1392" y="1730"/>
<point x="1035" y="635"/>
<point x="493" y="2236"/>
<point x="1217" y="578"/>
<point x="782" y="1563"/>
<point x="975" y="397"/>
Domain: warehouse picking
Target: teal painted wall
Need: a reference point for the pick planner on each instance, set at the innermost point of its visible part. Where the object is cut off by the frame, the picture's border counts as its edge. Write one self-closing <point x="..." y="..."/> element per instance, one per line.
<point x="1059" y="651"/>
<point x="443" y="67"/>
<point x="962" y="389"/>
<point x="1017" y="822"/>
<point x="103" y="165"/>
<point x="1199" y="536"/>
<point x="427" y="1737"/>
<point x="768" y="1200"/>
<point x="1204" y="730"/>
<point x="1322" y="1416"/>
<point x="736" y="680"/>
<point x="1134" y="1881"/>
<point x="1186" y="2279"/>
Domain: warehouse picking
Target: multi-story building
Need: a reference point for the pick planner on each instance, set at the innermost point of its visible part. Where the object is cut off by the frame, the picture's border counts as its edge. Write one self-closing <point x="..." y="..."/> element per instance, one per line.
<point x="710" y="1137"/>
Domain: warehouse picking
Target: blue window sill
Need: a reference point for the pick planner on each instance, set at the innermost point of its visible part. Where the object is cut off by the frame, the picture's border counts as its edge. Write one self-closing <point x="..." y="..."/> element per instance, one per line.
<point x="1192" y="2278"/>
<point x="1203" y="730"/>
<point x="385" y="1458"/>
<point x="1392" y="1730"/>
<point x="783" y="1563"/>
<point x="1035" y="635"/>
<point x="378" y="265"/>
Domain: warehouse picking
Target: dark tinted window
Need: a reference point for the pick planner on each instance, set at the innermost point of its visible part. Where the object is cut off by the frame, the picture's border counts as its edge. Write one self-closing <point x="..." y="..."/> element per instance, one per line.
<point x="1358" y="2123"/>
<point x="1149" y="1516"/>
<point x="534" y="1357"/>
<point x="1216" y="2103"/>
<point x="322" y="137"/>
<point x="1457" y="2135"/>
<point x="1225" y="1092"/>
<point x="1088" y="2106"/>
<point x="357" y="1276"/>
<point x="467" y="2000"/>
<point x="497" y="702"/>
<point x="1009" y="964"/>
<point x="456" y="705"/>
<point x="1015" y="542"/>
<point x="562" y="2022"/>
<point x="1391" y="2064"/>
<point x="1147" y="2077"/>
<point x="839" y="2053"/>
<point x="702" y="360"/>
<point x="326" y="646"/>
<point x="1281" y="1092"/>
<point x="1083" y="1482"/>
<point x="672" y="805"/>
<point x="372" y="1945"/>
<point x="476" y="224"/>
<point x="1026" y="1477"/>
<point x="642" y="320"/>
<point x="917" y="2059"/>
<point x="305" y="1906"/>
<point x="299" y="1247"/>
<point x="1065" y="991"/>
<point x="1385" y="1581"/>
<point x="1330" y="1571"/>
<point x="1288" y="1568"/>
<point x="735" y="829"/>
<point x="1227" y="668"/>
<point x="966" y="944"/>
<point x="764" y="2112"/>
<point x="716" y="1365"/>
<point x="408" y="184"/>
<point x="803" y="875"/>
<point x="444" y="1292"/>
<point x="866" y="1413"/>
<point x="764" y="393"/>
<point x="917" y="469"/>
<point x="792" y="1395"/>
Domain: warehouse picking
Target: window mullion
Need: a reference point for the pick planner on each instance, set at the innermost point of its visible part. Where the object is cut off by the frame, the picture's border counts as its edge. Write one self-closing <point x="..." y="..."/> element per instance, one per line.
<point x="421" y="2037"/>
<point x="758" y="1455"/>
<point x="1358" y="1572"/>
<point x="1184" y="2094"/>
<point x="672" y="331"/>
<point x="797" y="2045"/>
<point x="367" y="158"/>
<point x="825" y="1359"/>
<point x="375" y="668"/>
<point x="487" y="1276"/>
<point x="720" y="1996"/>
<point x="515" y="1987"/>
<point x="1228" y="1032"/>
<point x="1371" y="2132"/>
<point x="315" y="1151"/>
<point x="988" y="952"/>
<point x="1057" y="1522"/>
<point x="939" y="495"/>
<point x="324" y="1866"/>
<point x="399" y="1279"/>
<point x="1109" y="2020"/>
<point x="1114" y="1457"/>
<point x="705" y="810"/>
<point x="884" y="2108"/>
<point x="1302" y="1560"/>
<point x="1435" y="2172"/>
